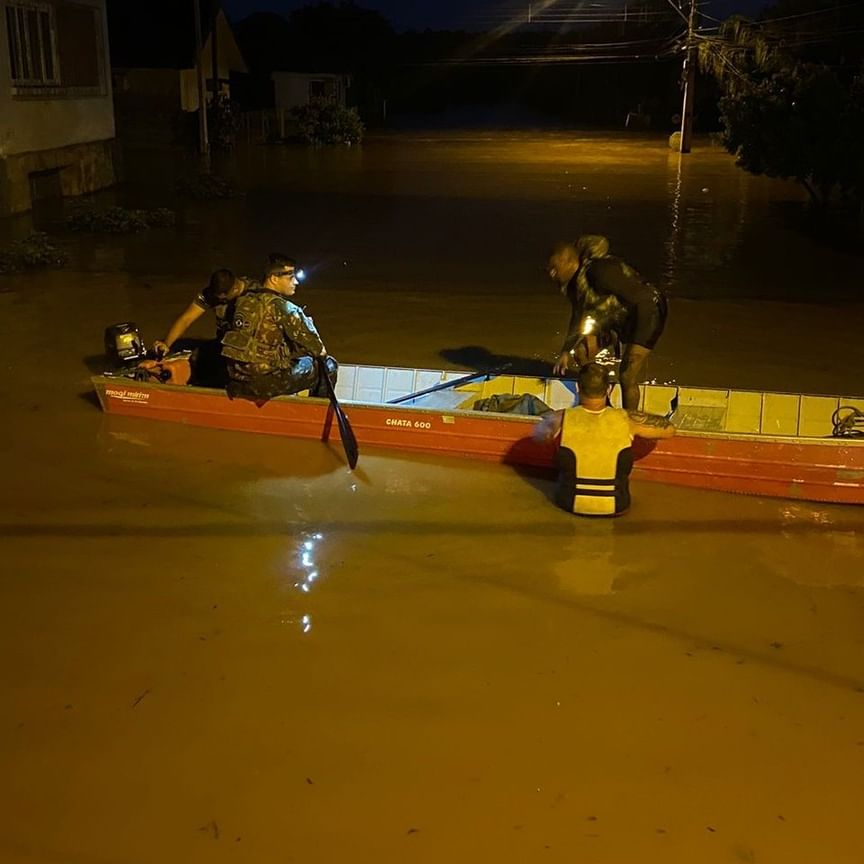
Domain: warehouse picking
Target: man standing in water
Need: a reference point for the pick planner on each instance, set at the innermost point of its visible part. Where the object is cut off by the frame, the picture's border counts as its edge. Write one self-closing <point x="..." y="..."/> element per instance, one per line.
<point x="594" y="454"/>
<point x="606" y="294"/>
<point x="272" y="346"/>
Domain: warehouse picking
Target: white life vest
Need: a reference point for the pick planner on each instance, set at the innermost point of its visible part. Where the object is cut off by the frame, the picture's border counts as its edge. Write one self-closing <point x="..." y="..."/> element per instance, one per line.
<point x="594" y="462"/>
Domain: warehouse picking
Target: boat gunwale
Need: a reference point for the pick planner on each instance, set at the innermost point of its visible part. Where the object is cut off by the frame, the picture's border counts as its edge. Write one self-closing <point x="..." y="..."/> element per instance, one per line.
<point x="217" y="393"/>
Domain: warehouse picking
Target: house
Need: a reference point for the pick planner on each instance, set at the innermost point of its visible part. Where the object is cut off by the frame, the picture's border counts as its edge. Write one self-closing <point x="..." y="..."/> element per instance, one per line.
<point x="293" y="89"/>
<point x="56" y="112"/>
<point x="154" y="57"/>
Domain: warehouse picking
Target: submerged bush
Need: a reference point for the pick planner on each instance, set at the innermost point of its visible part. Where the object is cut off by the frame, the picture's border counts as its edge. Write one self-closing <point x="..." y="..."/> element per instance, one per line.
<point x="118" y="220"/>
<point x="326" y="123"/>
<point x="32" y="253"/>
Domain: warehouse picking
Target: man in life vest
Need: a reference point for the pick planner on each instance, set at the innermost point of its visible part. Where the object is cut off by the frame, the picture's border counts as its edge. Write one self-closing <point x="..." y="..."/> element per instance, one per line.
<point x="605" y="295"/>
<point x="272" y="347"/>
<point x="594" y="452"/>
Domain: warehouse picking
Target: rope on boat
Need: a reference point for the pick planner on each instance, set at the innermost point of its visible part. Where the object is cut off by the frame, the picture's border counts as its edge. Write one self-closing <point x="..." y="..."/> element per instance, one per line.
<point x="848" y="422"/>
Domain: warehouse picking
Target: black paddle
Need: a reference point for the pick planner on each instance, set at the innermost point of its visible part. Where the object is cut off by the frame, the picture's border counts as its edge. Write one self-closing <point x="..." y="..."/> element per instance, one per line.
<point x="346" y="433"/>
<point x="456" y="382"/>
<point x="673" y="404"/>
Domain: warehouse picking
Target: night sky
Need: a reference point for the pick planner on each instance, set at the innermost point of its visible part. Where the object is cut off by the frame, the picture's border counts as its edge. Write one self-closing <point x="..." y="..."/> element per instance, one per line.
<point x="470" y="14"/>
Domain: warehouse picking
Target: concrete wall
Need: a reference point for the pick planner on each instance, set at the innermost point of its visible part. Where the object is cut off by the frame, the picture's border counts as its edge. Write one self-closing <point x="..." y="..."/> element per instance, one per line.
<point x="291" y="89"/>
<point x="82" y="168"/>
<point x="47" y="128"/>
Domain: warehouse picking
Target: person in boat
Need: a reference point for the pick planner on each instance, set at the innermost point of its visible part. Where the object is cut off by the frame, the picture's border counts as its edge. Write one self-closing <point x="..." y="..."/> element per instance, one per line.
<point x="271" y="345"/>
<point x="607" y="296"/>
<point x="594" y="452"/>
<point x="218" y="296"/>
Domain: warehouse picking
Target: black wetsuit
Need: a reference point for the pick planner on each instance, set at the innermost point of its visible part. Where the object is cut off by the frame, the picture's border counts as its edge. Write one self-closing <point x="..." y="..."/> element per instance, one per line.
<point x="618" y="299"/>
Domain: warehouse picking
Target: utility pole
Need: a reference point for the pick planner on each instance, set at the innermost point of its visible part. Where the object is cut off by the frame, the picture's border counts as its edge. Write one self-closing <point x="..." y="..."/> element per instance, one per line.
<point x="203" y="137"/>
<point x="214" y="54"/>
<point x="689" y="81"/>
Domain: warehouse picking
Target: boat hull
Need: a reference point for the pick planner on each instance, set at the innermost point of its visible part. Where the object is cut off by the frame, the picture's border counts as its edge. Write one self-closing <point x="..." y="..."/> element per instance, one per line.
<point x="813" y="469"/>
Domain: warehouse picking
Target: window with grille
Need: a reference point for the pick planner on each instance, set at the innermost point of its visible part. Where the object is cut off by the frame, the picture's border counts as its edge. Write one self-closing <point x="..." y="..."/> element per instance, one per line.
<point x="32" y="44"/>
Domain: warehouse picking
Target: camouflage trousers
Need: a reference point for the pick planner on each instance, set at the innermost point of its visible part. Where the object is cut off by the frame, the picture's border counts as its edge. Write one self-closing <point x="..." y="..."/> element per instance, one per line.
<point x="246" y="381"/>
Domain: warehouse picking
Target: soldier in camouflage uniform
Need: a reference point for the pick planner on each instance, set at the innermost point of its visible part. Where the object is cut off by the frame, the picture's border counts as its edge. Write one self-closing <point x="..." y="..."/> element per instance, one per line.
<point x="272" y="347"/>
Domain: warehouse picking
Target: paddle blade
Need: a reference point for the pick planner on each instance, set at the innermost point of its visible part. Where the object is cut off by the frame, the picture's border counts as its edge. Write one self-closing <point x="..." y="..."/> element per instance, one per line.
<point x="673" y="404"/>
<point x="349" y="440"/>
<point x="346" y="433"/>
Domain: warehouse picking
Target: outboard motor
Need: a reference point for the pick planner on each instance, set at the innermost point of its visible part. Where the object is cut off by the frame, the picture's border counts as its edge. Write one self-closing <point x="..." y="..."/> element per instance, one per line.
<point x="123" y="344"/>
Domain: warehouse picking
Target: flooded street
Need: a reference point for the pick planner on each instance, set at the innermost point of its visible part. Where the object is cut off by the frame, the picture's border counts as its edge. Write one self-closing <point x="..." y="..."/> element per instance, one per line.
<point x="217" y="646"/>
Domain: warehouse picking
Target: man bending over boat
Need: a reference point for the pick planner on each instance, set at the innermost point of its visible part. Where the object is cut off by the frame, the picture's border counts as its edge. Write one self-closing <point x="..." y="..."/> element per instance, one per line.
<point x="594" y="452"/>
<point x="607" y="295"/>
<point x="272" y="347"/>
<point x="218" y="295"/>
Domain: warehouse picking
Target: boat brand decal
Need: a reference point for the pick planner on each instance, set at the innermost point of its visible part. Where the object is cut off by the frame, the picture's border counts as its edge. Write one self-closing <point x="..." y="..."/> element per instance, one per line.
<point x="134" y="396"/>
<point x="408" y="424"/>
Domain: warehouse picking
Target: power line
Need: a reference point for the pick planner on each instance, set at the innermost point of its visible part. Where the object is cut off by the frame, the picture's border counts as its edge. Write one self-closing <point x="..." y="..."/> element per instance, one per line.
<point x="767" y="22"/>
<point x="555" y="18"/>
<point x="666" y="49"/>
<point x="558" y="60"/>
<point x="816" y="38"/>
<point x="551" y="12"/>
<point x="679" y="10"/>
<point x="630" y="43"/>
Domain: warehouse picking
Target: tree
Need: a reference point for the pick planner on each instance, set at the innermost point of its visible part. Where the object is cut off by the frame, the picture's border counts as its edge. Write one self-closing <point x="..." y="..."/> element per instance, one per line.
<point x="822" y="31"/>
<point x="263" y="38"/>
<point x="787" y="118"/>
<point x="341" y="36"/>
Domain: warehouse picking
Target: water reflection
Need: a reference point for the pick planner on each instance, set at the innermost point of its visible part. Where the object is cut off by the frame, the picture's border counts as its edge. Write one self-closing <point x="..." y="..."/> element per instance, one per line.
<point x="304" y="622"/>
<point x="306" y="555"/>
<point x="708" y="223"/>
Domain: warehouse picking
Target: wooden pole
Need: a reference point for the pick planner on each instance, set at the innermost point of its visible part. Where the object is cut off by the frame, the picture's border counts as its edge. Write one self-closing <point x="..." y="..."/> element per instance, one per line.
<point x="214" y="46"/>
<point x="203" y="137"/>
<point x="689" y="82"/>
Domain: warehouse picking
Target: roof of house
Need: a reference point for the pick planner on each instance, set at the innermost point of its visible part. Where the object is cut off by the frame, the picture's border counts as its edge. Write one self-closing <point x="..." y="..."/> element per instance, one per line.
<point x="157" y="34"/>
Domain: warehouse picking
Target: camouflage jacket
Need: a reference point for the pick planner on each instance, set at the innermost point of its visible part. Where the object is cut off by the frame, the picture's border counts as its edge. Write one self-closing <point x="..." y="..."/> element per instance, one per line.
<point x="267" y="333"/>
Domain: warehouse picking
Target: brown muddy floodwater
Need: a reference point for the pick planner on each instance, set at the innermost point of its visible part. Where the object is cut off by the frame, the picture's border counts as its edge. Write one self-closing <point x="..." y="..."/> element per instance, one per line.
<point x="220" y="647"/>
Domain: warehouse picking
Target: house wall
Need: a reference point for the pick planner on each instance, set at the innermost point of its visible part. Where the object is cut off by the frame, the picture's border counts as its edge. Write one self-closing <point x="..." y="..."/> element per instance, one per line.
<point x="229" y="59"/>
<point x="48" y="128"/>
<point x="291" y="89"/>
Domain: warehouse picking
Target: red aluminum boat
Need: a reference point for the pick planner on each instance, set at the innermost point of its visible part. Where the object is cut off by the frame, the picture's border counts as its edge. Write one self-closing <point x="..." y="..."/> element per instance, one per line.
<point x="775" y="444"/>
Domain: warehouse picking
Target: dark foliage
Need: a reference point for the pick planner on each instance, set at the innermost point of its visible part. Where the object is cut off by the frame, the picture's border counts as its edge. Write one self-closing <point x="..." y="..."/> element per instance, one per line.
<point x="35" y="252"/>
